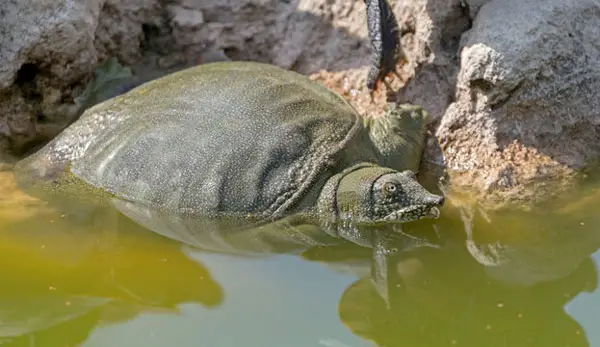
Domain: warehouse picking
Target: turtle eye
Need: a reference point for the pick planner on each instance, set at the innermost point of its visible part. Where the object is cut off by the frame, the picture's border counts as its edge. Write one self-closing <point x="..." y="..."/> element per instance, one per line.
<point x="390" y="187"/>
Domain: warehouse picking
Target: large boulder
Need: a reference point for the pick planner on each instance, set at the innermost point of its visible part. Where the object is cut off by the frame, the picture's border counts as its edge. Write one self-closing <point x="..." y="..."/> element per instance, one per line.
<point x="47" y="33"/>
<point x="526" y="103"/>
<point x="48" y="49"/>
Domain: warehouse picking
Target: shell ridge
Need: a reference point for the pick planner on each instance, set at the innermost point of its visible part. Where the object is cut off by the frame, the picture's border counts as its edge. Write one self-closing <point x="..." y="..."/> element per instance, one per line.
<point x="325" y="159"/>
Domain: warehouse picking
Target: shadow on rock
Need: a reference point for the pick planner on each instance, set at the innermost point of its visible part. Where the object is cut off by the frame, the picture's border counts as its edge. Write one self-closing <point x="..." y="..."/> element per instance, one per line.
<point x="306" y="36"/>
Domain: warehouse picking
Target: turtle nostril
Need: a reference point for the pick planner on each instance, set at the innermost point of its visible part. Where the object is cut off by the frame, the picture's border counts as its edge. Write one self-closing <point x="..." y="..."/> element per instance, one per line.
<point x="437" y="200"/>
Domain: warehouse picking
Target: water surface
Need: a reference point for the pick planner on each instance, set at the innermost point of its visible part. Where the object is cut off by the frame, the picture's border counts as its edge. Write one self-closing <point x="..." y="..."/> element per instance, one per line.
<point x="470" y="278"/>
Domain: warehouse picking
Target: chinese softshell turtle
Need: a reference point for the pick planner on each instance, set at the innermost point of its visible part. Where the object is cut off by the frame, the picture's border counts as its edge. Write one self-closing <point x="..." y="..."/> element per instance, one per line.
<point x="242" y="139"/>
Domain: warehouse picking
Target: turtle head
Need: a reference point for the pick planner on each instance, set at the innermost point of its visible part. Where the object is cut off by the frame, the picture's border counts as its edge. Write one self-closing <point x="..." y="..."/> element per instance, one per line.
<point x="399" y="136"/>
<point x="377" y="195"/>
<point x="400" y="197"/>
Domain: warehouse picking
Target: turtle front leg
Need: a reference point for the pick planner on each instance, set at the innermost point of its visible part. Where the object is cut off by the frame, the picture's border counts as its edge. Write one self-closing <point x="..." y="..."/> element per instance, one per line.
<point x="385" y="40"/>
<point x="399" y="136"/>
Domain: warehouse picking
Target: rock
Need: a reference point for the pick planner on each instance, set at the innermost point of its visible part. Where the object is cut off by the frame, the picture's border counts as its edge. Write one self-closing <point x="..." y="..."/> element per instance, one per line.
<point x="185" y="18"/>
<point x="431" y="32"/>
<point x="526" y="108"/>
<point x="304" y="35"/>
<point x="127" y="28"/>
<point x="474" y="6"/>
<point x="58" y="35"/>
<point x="48" y="50"/>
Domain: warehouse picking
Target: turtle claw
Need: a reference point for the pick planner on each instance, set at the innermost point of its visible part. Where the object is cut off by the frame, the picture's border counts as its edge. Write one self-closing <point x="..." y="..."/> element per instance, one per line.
<point x="377" y="85"/>
<point x="372" y="94"/>
<point x="388" y="86"/>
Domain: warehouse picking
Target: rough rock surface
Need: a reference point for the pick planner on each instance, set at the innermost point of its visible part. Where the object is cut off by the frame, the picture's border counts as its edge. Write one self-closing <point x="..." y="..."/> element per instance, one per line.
<point x="431" y="35"/>
<point x="511" y="85"/>
<point x="526" y="108"/>
<point x="44" y="45"/>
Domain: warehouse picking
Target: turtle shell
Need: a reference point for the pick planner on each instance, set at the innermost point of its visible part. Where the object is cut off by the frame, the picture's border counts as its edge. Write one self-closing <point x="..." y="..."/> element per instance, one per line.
<point x="220" y="138"/>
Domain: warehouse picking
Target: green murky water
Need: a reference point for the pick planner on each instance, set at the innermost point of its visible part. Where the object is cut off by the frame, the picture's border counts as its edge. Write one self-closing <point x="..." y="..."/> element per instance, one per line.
<point x="527" y="279"/>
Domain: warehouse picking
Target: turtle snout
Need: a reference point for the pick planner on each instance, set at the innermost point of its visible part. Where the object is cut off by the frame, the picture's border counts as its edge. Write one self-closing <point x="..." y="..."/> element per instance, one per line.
<point x="433" y="203"/>
<point x="436" y="200"/>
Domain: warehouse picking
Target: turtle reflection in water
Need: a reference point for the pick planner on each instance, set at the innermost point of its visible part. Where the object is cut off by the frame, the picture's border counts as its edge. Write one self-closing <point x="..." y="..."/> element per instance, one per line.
<point x="421" y="295"/>
<point x="62" y="280"/>
<point x="247" y="141"/>
<point x="432" y="304"/>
